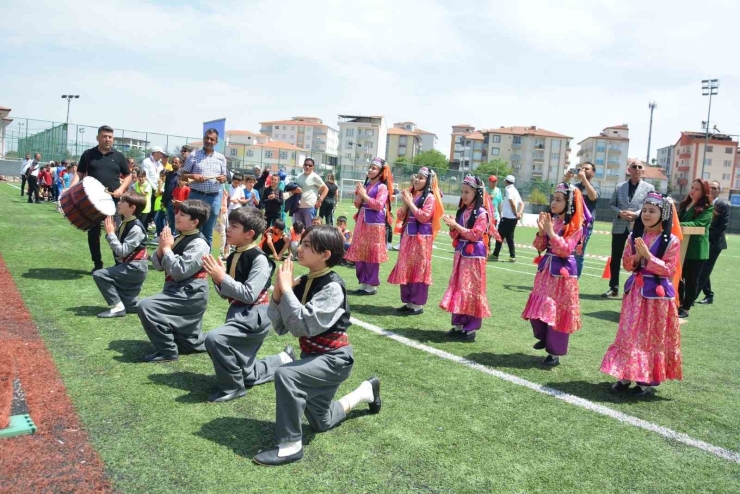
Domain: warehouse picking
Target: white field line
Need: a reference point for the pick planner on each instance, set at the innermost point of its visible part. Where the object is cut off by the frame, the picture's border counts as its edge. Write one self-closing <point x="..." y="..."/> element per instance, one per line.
<point x="667" y="433"/>
<point x="12" y="185"/>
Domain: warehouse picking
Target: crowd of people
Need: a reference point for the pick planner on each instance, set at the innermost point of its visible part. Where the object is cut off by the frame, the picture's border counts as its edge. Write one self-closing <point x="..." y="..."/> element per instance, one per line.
<point x="190" y="196"/>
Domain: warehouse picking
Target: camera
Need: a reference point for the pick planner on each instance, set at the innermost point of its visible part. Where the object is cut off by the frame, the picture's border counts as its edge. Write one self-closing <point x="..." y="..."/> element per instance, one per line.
<point x="573" y="170"/>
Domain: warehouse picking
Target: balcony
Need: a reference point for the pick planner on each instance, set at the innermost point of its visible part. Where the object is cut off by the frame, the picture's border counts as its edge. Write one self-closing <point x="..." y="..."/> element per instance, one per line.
<point x="683" y="168"/>
<point x="516" y="145"/>
<point x="684" y="156"/>
<point x="615" y="150"/>
<point x="600" y="149"/>
<point x="613" y="164"/>
<point x="682" y="181"/>
<point x="612" y="176"/>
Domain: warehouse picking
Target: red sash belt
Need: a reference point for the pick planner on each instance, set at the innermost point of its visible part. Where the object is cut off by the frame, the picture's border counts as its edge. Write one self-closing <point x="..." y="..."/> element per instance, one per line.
<point x="139" y="255"/>
<point x="201" y="275"/>
<point x="324" y="343"/>
<point x="261" y="300"/>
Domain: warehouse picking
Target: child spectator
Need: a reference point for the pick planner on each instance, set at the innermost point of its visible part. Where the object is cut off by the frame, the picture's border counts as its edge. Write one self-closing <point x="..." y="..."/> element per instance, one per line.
<point x="179" y="195"/>
<point x="236" y="193"/>
<point x="143" y="187"/>
<point x="251" y="196"/>
<point x="347" y="236"/>
<point x="295" y="237"/>
<point x="275" y="241"/>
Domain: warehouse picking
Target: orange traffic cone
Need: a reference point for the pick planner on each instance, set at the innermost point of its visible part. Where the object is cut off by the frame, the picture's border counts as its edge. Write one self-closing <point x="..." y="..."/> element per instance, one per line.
<point x="607" y="274"/>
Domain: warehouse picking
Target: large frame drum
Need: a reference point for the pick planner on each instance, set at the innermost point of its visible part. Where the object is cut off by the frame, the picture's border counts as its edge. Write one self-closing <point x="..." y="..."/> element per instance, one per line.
<point x="87" y="203"/>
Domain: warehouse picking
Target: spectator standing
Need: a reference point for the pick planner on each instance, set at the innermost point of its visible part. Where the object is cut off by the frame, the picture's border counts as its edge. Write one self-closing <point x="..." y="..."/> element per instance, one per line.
<point x="33" y="179"/>
<point x="717" y="240"/>
<point x="272" y="200"/>
<point x="591" y="194"/>
<point x="313" y="190"/>
<point x="25" y="165"/>
<point x="511" y="213"/>
<point x="326" y="211"/>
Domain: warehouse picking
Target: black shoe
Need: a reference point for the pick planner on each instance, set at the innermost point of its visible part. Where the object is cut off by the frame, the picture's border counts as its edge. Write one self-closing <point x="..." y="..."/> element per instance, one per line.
<point x="707" y="301"/>
<point x="611" y="293"/>
<point x="403" y="309"/>
<point x="220" y="397"/>
<point x="158" y="357"/>
<point x="270" y="458"/>
<point x="291" y="353"/>
<point x="364" y="293"/>
<point x="683" y="314"/>
<point x="640" y="391"/>
<point x="190" y="351"/>
<point x="107" y="314"/>
<point x="452" y="333"/>
<point x="376" y="403"/>
<point x="97" y="266"/>
<point x="620" y="387"/>
<point x="551" y="361"/>
<point x="466" y="336"/>
<point x="415" y="312"/>
<point x="540" y="345"/>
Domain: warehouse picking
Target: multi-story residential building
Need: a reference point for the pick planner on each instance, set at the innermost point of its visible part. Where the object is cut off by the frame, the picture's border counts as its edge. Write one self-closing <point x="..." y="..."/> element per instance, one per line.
<point x="361" y="138"/>
<point x="308" y="133"/>
<point x="428" y="139"/>
<point x="737" y="169"/>
<point x="5" y="121"/>
<point x="532" y="152"/>
<point x="719" y="165"/>
<point x="654" y="175"/>
<point x="665" y="159"/>
<point x="608" y="152"/>
<point x="461" y="147"/>
<point x="402" y="143"/>
<point x="124" y="144"/>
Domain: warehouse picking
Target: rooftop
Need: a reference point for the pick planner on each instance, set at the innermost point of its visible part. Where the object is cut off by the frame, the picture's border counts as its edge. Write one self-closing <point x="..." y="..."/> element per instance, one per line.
<point x="302" y="123"/>
<point x="530" y="130"/>
<point x="619" y="127"/>
<point x="654" y="173"/>
<point x="243" y="133"/>
<point x="401" y="132"/>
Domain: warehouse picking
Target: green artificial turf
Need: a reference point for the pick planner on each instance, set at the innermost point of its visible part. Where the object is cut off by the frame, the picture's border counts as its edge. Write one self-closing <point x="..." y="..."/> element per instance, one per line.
<point x="443" y="428"/>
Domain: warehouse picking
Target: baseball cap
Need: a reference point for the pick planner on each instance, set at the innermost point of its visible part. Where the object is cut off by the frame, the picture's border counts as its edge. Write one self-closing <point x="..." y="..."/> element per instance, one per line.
<point x="158" y="149"/>
<point x="510" y="179"/>
<point x="493" y="178"/>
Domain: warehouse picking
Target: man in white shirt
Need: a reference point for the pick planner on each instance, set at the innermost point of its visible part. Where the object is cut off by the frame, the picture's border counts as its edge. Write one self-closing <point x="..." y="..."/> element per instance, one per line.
<point x="313" y="190"/>
<point x="25" y="165"/>
<point x="513" y="207"/>
<point x="151" y="166"/>
<point x="33" y="179"/>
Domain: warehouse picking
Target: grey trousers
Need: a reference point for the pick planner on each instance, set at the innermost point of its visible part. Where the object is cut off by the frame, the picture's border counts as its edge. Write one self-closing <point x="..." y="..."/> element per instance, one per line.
<point x="234" y="346"/>
<point x="173" y="319"/>
<point x="309" y="385"/>
<point x="122" y="282"/>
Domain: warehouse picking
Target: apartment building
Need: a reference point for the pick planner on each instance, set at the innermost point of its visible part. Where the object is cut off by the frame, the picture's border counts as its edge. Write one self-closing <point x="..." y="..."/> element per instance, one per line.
<point x="5" y="122"/>
<point x="402" y="143"/>
<point x="532" y="152"/>
<point x="308" y="133"/>
<point x="665" y="159"/>
<point x="719" y="164"/>
<point x="466" y="147"/>
<point x="608" y="151"/>
<point x="361" y="138"/>
<point x="428" y="139"/>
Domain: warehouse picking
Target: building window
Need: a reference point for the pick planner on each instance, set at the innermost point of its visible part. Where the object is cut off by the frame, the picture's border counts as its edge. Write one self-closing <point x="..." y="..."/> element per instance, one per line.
<point x="402" y="151"/>
<point x="348" y="155"/>
<point x="369" y="145"/>
<point x="292" y="137"/>
<point x="708" y="162"/>
<point x="283" y="155"/>
<point x="268" y="154"/>
<point x="728" y="150"/>
<point x="369" y="132"/>
<point x="233" y="152"/>
<point x="496" y="139"/>
<point x="250" y="153"/>
<point x="277" y="127"/>
<point x="706" y="176"/>
<point x="350" y="132"/>
<point x="517" y="140"/>
<point x="402" y="140"/>
<point x="725" y="176"/>
<point x="300" y="128"/>
<point x="368" y="157"/>
<point x="710" y="149"/>
<point x="496" y="151"/>
<point x="554" y="156"/>
<point x="728" y="163"/>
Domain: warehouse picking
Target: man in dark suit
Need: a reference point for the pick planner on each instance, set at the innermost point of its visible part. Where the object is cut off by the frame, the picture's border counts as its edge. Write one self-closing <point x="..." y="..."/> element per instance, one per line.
<point x="717" y="241"/>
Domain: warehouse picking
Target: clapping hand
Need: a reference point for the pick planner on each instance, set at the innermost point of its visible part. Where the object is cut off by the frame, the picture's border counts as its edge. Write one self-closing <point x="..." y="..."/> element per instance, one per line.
<point x="541" y="222"/>
<point x="215" y="268"/>
<point x="361" y="191"/>
<point x="283" y="280"/>
<point x="547" y="223"/>
<point x="642" y="248"/>
<point x="449" y="220"/>
<point x="166" y="241"/>
<point x="110" y="225"/>
<point x="407" y="198"/>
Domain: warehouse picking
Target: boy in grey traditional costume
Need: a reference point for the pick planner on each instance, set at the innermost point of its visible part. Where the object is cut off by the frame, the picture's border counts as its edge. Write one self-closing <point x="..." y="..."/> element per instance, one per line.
<point x="121" y="284"/>
<point x="316" y="311"/>
<point x="172" y="319"/>
<point x="244" y="281"/>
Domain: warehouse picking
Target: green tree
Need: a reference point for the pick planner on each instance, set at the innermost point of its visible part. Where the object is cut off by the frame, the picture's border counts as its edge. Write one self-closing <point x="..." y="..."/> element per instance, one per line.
<point x="433" y="159"/>
<point x="135" y="153"/>
<point x="497" y="167"/>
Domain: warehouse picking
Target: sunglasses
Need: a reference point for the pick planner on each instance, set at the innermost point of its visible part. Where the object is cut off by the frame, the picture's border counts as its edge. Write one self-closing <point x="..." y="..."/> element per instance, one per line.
<point x="636" y="167"/>
<point x="306" y="164"/>
<point x="714" y="188"/>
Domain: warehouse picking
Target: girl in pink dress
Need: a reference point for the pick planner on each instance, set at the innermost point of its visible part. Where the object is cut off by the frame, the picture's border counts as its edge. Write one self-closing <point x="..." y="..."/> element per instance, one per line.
<point x="647" y="348"/>
<point x="466" y="297"/>
<point x="553" y="308"/>
<point x="420" y="218"/>
<point x="368" y="248"/>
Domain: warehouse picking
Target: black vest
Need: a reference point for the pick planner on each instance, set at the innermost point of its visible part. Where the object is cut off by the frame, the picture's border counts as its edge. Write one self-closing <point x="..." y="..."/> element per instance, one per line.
<point x="179" y="249"/>
<point x="317" y="284"/>
<point x="244" y="267"/>
<point x="127" y="230"/>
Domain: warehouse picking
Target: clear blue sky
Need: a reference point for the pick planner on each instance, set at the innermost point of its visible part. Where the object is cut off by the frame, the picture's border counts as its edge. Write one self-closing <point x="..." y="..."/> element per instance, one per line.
<point x="570" y="67"/>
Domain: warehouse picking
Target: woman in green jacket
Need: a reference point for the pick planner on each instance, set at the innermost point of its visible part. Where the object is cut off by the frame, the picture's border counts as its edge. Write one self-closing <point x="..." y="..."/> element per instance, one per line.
<point x="695" y="210"/>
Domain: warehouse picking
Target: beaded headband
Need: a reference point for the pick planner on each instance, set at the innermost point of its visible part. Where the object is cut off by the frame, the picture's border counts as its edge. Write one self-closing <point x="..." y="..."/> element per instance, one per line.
<point x="473" y="182"/>
<point x="567" y="190"/>
<point x="663" y="202"/>
<point x="378" y="161"/>
<point x="425" y="171"/>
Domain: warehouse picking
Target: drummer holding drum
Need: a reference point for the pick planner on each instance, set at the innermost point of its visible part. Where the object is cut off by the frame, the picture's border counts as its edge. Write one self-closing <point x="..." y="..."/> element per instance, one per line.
<point x="110" y="168"/>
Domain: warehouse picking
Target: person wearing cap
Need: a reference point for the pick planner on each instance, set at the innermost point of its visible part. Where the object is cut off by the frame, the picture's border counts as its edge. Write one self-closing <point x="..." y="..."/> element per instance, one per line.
<point x="626" y="201"/>
<point x="151" y="166"/>
<point x="496" y="198"/>
<point x="511" y="213"/>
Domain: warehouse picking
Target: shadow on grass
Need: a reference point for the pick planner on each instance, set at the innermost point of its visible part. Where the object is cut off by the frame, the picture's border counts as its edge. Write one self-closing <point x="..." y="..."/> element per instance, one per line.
<point x="507" y="361"/>
<point x="131" y="350"/>
<point x="86" y="310"/>
<point x="596" y="296"/>
<point x="604" y="315"/>
<point x="55" y="274"/>
<point x="373" y="310"/>
<point x="425" y="335"/>
<point x="201" y="386"/>
<point x="518" y="288"/>
<point x="601" y="392"/>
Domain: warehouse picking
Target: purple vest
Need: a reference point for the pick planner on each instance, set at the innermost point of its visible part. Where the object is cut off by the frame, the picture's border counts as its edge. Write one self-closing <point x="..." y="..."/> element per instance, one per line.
<point x="371" y="216"/>
<point x="558" y="263"/>
<point x="478" y="249"/>
<point x="651" y="281"/>
<point x="414" y="227"/>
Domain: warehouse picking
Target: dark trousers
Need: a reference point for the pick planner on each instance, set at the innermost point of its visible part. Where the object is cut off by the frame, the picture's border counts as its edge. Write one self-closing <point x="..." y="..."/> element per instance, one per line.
<point x="33" y="188"/>
<point x="23" y="183"/>
<point x="326" y="212"/>
<point x="93" y="240"/>
<point x="388" y="233"/>
<point x="506" y="230"/>
<point x="270" y="219"/>
<point x="688" y="289"/>
<point x="618" y="241"/>
<point x="704" y="283"/>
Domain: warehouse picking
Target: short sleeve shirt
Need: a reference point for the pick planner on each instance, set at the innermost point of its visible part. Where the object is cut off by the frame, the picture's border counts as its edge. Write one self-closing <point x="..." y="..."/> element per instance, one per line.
<point x="310" y="185"/>
<point x="513" y="194"/>
<point x="106" y="168"/>
<point x="213" y="165"/>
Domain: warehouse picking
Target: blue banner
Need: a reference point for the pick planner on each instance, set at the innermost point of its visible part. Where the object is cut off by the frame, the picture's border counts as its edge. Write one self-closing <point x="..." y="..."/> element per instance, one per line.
<point x="220" y="126"/>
